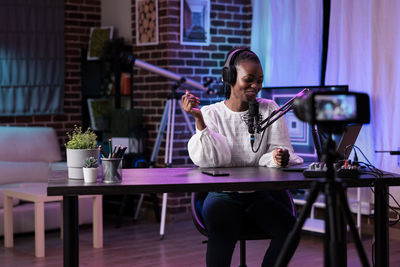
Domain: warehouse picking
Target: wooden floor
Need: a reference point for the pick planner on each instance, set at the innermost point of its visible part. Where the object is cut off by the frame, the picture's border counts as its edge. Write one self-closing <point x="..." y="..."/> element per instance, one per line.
<point x="139" y="245"/>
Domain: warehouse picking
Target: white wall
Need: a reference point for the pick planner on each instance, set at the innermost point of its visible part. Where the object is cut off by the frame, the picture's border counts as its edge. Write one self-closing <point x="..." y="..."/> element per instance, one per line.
<point x="117" y="13"/>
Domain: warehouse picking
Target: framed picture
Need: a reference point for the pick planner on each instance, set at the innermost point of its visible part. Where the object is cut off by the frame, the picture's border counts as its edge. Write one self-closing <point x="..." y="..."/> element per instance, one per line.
<point x="195" y="22"/>
<point x="146" y="22"/>
<point x="100" y="110"/>
<point x="97" y="38"/>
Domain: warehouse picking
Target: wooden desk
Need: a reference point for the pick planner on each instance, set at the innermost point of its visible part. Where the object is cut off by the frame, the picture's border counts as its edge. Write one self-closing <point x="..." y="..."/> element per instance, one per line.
<point x="160" y="180"/>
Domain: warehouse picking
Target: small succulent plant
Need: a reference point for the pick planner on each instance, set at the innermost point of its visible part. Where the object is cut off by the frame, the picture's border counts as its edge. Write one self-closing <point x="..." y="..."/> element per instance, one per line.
<point x="90" y="162"/>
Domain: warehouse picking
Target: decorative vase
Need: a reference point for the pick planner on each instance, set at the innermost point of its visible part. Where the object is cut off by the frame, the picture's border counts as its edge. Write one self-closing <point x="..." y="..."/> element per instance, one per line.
<point x="76" y="159"/>
<point x="90" y="175"/>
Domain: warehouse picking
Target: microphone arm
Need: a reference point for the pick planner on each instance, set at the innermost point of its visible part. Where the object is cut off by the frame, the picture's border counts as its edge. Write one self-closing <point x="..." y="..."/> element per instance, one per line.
<point x="276" y="114"/>
<point x="130" y="59"/>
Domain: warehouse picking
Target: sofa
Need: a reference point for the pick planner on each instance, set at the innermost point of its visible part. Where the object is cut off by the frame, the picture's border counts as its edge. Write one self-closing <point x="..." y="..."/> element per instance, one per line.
<point x="31" y="155"/>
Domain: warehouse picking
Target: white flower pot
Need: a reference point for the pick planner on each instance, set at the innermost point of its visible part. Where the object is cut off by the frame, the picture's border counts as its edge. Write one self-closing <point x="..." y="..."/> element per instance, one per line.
<point x="90" y="175"/>
<point x="76" y="159"/>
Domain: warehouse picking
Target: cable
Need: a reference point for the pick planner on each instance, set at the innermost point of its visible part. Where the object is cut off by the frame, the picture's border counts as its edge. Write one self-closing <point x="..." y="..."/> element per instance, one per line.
<point x="259" y="144"/>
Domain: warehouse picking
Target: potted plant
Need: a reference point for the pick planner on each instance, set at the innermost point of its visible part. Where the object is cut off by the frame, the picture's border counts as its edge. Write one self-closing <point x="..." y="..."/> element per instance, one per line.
<point x="80" y="146"/>
<point x="90" y="170"/>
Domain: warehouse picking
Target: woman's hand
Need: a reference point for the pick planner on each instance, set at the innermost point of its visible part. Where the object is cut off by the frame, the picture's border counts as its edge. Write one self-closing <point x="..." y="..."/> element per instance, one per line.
<point x="281" y="157"/>
<point x="190" y="104"/>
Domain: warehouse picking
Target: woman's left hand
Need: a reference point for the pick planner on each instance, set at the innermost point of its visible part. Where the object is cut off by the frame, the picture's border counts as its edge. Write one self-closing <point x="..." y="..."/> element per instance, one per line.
<point x="281" y="157"/>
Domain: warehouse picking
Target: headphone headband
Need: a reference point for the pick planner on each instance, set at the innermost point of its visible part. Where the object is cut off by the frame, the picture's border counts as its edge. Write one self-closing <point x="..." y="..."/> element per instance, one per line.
<point x="231" y="59"/>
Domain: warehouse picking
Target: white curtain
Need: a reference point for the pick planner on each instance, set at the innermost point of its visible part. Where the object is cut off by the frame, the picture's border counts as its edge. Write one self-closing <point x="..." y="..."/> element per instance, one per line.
<point x="287" y="36"/>
<point x="364" y="52"/>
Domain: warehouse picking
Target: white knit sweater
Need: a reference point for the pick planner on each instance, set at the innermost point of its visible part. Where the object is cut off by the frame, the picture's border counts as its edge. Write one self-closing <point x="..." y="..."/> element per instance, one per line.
<point x="226" y="141"/>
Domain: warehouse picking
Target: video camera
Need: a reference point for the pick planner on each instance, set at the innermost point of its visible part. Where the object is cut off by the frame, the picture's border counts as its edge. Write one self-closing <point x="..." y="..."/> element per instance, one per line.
<point x="332" y="108"/>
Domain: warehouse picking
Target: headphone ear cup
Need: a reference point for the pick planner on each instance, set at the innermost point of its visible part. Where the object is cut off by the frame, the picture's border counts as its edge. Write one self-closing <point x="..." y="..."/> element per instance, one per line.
<point x="232" y="75"/>
<point x="225" y="75"/>
<point x="229" y="75"/>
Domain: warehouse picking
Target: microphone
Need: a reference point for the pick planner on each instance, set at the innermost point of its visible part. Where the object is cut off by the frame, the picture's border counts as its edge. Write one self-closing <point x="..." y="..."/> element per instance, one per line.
<point x="253" y="119"/>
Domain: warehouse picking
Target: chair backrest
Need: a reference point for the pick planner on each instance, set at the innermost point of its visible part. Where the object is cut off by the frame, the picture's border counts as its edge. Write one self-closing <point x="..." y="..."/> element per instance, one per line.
<point x="249" y="233"/>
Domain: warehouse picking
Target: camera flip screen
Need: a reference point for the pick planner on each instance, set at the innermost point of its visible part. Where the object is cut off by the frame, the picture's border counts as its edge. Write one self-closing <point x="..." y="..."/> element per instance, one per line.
<point x="333" y="108"/>
<point x="339" y="107"/>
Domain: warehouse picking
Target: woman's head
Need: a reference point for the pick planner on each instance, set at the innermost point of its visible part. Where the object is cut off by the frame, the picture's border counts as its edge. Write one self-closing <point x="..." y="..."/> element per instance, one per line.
<point x="242" y="73"/>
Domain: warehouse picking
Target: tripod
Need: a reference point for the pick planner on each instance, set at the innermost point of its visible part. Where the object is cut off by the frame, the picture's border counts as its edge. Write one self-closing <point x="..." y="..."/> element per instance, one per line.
<point x="167" y="120"/>
<point x="337" y="210"/>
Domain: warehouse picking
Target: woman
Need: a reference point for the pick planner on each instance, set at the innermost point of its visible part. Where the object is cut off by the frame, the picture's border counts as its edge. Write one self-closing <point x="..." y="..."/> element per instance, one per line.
<point x="222" y="140"/>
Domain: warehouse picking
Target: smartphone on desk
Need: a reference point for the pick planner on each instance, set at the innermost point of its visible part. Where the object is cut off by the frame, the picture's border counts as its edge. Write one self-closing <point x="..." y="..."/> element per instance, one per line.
<point x="216" y="173"/>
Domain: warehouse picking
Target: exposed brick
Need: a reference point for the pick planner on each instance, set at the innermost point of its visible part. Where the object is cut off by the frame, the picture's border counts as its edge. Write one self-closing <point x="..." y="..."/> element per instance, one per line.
<point x="219" y="55"/>
<point x="74" y="15"/>
<point x="193" y="62"/>
<point x="186" y="71"/>
<point x="225" y="47"/>
<point x="233" y="24"/>
<point x="234" y="40"/>
<point x="216" y="7"/>
<point x="202" y="71"/>
<point x="233" y="8"/>
<point x="218" y="23"/>
<point x="225" y="32"/>
<point x="224" y="16"/>
<point x="218" y="39"/>
<point x="201" y="55"/>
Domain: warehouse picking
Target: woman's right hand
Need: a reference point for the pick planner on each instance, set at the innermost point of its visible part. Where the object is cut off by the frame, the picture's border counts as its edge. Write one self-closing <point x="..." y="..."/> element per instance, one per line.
<point x="190" y="104"/>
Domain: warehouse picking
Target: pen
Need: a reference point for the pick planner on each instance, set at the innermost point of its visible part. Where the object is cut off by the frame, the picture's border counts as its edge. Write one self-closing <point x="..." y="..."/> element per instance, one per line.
<point x="102" y="152"/>
<point x="109" y="147"/>
<point x="123" y="151"/>
<point x="114" y="151"/>
<point x="118" y="151"/>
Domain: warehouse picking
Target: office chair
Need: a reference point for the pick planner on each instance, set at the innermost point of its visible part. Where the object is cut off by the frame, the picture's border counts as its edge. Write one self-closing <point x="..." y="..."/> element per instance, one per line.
<point x="249" y="232"/>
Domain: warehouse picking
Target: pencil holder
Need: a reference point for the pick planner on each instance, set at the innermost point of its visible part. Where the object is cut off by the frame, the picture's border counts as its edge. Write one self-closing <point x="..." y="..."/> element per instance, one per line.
<point x="112" y="170"/>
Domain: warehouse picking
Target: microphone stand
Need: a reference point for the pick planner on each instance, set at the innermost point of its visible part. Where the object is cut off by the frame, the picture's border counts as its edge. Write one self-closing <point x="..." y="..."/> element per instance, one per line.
<point x="275" y="115"/>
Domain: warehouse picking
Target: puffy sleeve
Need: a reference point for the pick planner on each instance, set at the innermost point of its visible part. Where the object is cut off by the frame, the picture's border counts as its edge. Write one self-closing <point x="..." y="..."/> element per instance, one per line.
<point x="208" y="148"/>
<point x="278" y="137"/>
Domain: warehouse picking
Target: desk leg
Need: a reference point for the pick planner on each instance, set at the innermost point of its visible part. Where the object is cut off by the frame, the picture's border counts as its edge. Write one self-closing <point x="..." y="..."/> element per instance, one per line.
<point x="381" y="217"/>
<point x="39" y="229"/>
<point x="71" y="233"/>
<point x="8" y="222"/>
<point x="61" y="220"/>
<point x="98" y="221"/>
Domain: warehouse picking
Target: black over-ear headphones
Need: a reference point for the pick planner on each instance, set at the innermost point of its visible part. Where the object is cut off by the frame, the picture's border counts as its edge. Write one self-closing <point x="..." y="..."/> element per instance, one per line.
<point x="229" y="70"/>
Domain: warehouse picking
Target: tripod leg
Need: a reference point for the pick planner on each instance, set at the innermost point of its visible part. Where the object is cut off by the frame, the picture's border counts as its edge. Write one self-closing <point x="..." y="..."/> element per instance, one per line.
<point x="284" y="255"/>
<point x="185" y="115"/>
<point x="160" y="133"/>
<point x="163" y="215"/>
<point x="353" y="229"/>
<point x="138" y="206"/>
<point x="172" y="133"/>
<point x="168" y="137"/>
<point x="335" y="240"/>
<point x="168" y="160"/>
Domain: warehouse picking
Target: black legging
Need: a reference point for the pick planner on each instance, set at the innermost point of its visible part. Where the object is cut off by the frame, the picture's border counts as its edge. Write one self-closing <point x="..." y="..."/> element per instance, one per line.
<point x="223" y="215"/>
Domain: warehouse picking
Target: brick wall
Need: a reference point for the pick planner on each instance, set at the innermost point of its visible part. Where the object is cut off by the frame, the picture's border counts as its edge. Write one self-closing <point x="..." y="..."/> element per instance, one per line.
<point x="79" y="16"/>
<point x="230" y="26"/>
